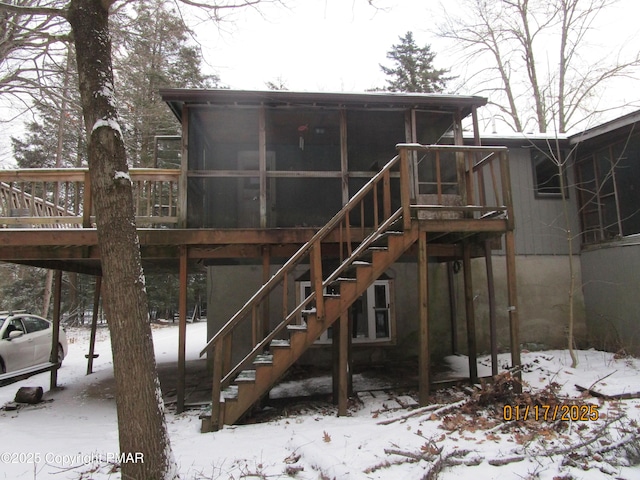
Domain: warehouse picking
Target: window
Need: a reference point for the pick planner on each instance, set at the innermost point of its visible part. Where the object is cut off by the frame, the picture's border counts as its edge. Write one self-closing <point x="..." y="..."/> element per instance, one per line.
<point x="546" y="176"/>
<point x="372" y="315"/>
<point x="35" y="324"/>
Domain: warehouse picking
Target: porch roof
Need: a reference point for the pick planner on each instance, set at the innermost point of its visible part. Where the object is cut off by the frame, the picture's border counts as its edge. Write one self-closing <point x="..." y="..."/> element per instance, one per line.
<point x="177" y="98"/>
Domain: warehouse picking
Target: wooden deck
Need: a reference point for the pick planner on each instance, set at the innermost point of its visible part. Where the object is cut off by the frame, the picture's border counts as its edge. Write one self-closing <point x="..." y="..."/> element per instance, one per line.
<point x="48" y="222"/>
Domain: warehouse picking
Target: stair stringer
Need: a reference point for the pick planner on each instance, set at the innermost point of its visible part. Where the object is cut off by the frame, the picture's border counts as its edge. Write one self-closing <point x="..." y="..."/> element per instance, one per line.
<point x="252" y="388"/>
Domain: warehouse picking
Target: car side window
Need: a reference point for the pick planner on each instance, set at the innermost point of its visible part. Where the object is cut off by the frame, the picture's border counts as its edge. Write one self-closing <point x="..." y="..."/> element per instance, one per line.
<point x="14" y="325"/>
<point x="34" y="324"/>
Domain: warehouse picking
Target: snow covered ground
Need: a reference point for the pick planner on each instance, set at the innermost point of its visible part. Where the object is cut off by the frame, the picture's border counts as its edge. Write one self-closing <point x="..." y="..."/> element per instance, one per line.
<point x="73" y="433"/>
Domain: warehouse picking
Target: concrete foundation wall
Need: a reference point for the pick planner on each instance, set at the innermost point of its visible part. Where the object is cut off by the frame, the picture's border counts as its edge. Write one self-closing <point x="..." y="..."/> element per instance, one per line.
<point x="543" y="284"/>
<point x="611" y="275"/>
<point x="543" y="302"/>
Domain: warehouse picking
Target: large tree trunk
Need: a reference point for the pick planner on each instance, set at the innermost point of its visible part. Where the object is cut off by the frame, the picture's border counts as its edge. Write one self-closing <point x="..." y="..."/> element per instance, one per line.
<point x="141" y="422"/>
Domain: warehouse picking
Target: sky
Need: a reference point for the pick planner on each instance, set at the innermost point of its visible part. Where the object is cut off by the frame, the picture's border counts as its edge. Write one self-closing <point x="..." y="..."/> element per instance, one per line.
<point x="338" y="46"/>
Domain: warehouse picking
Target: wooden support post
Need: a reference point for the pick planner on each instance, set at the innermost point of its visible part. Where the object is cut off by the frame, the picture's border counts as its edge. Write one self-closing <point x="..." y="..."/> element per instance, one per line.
<point x="512" y="295"/>
<point x="94" y="325"/>
<point x="262" y="165"/>
<point x="335" y="361"/>
<point x="182" y="329"/>
<point x="343" y="367"/>
<point x="266" y="275"/>
<point x="316" y="279"/>
<point x="470" y="312"/>
<point x="423" y="299"/>
<point x="453" y="309"/>
<point x="216" y="412"/>
<point x="344" y="156"/>
<point x="491" y="292"/>
<point x="86" y="202"/>
<point x="405" y="189"/>
<point x="56" y="328"/>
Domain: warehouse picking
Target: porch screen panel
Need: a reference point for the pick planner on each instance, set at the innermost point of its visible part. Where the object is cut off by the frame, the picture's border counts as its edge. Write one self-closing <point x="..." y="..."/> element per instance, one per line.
<point x="372" y="137"/>
<point x="604" y="166"/>
<point x="304" y="139"/>
<point x="223" y="180"/>
<point x="307" y="202"/>
<point x="216" y="135"/>
<point x="627" y="172"/>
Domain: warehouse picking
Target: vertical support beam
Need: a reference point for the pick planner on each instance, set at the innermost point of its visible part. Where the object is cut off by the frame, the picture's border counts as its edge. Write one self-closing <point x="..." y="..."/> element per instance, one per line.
<point x="335" y="361"/>
<point x="316" y="279"/>
<point x="460" y="161"/>
<point x="491" y="292"/>
<point x="405" y="189"/>
<point x="423" y="299"/>
<point x="184" y="169"/>
<point x="182" y="328"/>
<point x="94" y="324"/>
<point x="478" y="142"/>
<point x="56" y="328"/>
<point x="86" y="202"/>
<point x="512" y="296"/>
<point x="470" y="311"/>
<point x="266" y="274"/>
<point x="216" y="411"/>
<point x="343" y="364"/>
<point x="453" y="309"/>
<point x="344" y="159"/>
<point x="262" y="164"/>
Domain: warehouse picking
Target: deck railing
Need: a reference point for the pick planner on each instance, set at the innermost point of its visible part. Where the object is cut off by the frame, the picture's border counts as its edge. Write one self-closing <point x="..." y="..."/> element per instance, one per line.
<point x="61" y="198"/>
<point x="373" y="203"/>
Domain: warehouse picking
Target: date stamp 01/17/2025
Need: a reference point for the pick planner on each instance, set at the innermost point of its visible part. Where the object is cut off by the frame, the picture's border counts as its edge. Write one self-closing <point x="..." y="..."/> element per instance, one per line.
<point x="551" y="413"/>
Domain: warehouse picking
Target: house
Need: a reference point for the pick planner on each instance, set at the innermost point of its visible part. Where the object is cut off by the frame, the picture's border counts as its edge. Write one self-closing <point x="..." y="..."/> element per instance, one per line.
<point x="346" y="229"/>
<point x="395" y="203"/>
<point x="607" y="185"/>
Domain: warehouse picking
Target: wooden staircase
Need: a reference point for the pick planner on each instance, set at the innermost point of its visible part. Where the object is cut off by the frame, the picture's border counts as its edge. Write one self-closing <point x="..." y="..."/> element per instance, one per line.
<point x="266" y="369"/>
<point x="384" y="234"/>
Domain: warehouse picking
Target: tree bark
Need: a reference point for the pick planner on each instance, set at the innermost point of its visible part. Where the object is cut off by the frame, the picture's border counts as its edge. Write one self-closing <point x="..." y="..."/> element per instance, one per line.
<point x="141" y="423"/>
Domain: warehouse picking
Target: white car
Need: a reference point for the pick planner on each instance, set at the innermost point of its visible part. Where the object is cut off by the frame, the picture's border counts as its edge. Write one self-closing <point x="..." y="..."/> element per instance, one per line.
<point x="25" y="341"/>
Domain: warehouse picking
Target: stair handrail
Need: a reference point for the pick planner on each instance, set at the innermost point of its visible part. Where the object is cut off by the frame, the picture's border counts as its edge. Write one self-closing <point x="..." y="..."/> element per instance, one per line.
<point x="260" y="346"/>
<point x="302" y="251"/>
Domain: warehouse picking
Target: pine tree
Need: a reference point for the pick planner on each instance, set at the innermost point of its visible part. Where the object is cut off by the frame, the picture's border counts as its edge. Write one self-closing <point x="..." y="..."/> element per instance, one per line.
<point x="154" y="53"/>
<point x="413" y="69"/>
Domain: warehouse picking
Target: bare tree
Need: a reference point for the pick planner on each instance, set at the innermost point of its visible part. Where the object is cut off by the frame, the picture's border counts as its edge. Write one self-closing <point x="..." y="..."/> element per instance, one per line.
<point x="516" y="40"/>
<point x="141" y="424"/>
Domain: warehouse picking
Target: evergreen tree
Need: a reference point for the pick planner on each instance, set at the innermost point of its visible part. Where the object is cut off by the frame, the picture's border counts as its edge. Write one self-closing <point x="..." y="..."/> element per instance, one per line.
<point x="154" y="53"/>
<point x="413" y="69"/>
<point x="56" y="137"/>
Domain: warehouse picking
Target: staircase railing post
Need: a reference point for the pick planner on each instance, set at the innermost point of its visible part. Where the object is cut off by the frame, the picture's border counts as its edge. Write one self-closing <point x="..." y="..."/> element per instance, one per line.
<point x="405" y="188"/>
<point x="316" y="278"/>
<point x="218" y="356"/>
<point x="86" y="201"/>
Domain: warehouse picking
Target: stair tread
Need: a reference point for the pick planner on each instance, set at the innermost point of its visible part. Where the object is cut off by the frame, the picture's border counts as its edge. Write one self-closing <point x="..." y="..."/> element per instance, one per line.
<point x="280" y="343"/>
<point x="246" y="376"/>
<point x="229" y="393"/>
<point x="301" y="328"/>
<point x="309" y="311"/>
<point x="361" y="263"/>
<point x="264" y="359"/>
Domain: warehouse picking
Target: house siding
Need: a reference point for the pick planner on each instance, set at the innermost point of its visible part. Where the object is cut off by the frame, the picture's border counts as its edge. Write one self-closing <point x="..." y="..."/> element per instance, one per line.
<point x="611" y="280"/>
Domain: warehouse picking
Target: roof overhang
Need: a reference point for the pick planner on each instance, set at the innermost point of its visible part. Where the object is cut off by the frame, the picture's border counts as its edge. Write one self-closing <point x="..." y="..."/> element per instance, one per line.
<point x="177" y="98"/>
<point x="612" y="126"/>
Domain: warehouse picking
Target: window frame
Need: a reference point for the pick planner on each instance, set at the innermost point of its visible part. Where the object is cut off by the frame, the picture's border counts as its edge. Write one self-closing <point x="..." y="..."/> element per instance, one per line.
<point x="324" y="339"/>
<point x="538" y="156"/>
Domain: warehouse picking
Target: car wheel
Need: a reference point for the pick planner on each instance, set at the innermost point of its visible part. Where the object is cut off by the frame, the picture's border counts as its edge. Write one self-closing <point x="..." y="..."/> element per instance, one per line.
<point x="60" y="354"/>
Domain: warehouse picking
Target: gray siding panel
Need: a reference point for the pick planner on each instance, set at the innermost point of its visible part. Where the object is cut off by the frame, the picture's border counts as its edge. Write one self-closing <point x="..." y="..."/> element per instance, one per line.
<point x="540" y="224"/>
